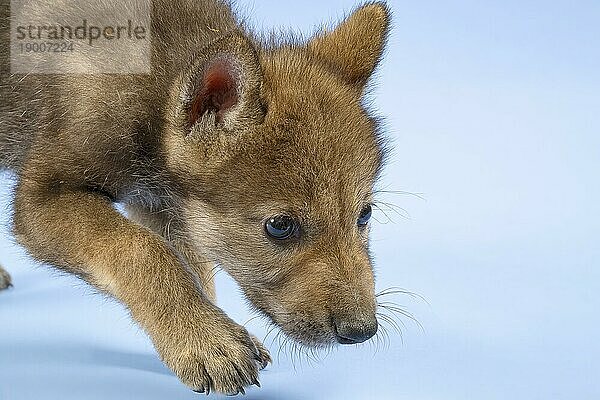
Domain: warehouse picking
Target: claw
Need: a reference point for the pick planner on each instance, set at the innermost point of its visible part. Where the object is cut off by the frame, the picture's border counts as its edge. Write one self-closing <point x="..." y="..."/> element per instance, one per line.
<point x="264" y="363"/>
<point x="199" y="390"/>
<point x="256" y="383"/>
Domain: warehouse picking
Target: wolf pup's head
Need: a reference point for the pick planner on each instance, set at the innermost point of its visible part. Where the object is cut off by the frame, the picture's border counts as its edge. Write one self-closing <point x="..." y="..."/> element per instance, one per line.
<point x="279" y="157"/>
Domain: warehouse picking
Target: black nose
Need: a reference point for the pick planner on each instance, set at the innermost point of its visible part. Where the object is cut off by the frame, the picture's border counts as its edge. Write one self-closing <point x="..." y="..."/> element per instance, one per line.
<point x="354" y="330"/>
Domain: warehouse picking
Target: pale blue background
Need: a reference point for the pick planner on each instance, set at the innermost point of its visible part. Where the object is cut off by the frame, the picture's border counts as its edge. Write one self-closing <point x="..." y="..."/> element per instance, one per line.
<point x="494" y="111"/>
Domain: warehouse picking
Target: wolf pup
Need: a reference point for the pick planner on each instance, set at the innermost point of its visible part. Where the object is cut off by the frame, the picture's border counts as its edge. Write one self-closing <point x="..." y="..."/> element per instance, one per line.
<point x="257" y="156"/>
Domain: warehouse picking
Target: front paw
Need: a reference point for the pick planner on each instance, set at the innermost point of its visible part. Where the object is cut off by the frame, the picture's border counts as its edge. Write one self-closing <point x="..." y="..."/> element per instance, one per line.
<point x="265" y="357"/>
<point x="220" y="357"/>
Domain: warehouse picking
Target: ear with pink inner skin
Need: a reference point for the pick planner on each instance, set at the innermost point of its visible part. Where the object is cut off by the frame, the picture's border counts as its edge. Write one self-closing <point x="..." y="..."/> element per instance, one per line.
<point x="218" y="91"/>
<point x="222" y="87"/>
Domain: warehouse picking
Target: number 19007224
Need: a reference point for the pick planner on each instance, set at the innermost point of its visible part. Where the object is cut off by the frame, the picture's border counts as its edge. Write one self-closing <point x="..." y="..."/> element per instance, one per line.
<point x="46" y="47"/>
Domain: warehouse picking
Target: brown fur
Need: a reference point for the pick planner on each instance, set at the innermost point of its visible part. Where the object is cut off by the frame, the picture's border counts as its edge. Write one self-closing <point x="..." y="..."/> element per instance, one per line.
<point x="199" y="177"/>
<point x="5" y="281"/>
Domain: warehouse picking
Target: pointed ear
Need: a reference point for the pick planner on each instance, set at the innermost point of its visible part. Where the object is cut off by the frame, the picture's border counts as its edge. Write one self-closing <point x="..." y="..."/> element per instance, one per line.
<point x="355" y="47"/>
<point x="222" y="86"/>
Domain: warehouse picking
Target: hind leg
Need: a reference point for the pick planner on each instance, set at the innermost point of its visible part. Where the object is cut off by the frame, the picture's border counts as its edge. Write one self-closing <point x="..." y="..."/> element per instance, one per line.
<point x="4" y="279"/>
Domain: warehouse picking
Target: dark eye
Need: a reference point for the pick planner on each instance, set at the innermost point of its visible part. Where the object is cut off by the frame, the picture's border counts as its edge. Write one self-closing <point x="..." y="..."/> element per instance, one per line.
<point x="281" y="227"/>
<point x="365" y="215"/>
